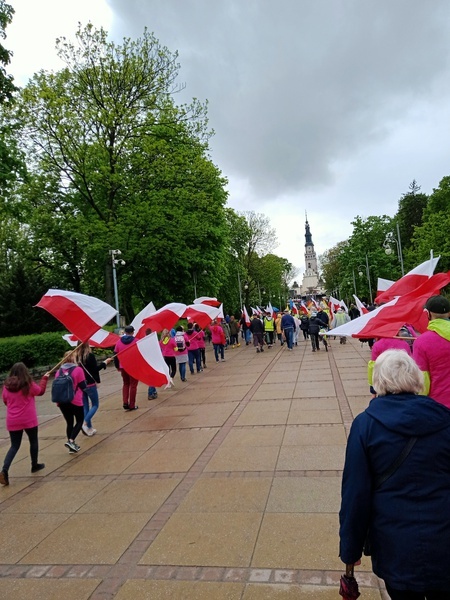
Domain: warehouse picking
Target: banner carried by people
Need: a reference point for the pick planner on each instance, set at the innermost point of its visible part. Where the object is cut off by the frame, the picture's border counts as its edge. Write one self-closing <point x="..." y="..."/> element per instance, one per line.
<point x="138" y="322"/>
<point x="387" y="319"/>
<point x="100" y="339"/>
<point x="410" y="281"/>
<point x="165" y="317"/>
<point x="82" y="315"/>
<point x="144" y="361"/>
<point x="202" y="314"/>
<point x="208" y="301"/>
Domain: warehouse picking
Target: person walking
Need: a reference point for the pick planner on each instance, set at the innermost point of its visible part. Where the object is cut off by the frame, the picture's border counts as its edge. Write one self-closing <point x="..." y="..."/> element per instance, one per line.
<point x="257" y="329"/>
<point x="19" y="392"/>
<point x="234" y="332"/>
<point x="278" y="329"/>
<point x="288" y="326"/>
<point x="269" y="329"/>
<point x="218" y="340"/>
<point x="181" y="350"/>
<point x="304" y="326"/>
<point x="73" y="412"/>
<point x="314" y="326"/>
<point x="87" y="361"/>
<point x="201" y="344"/>
<point x="340" y="318"/>
<point x="167" y="345"/>
<point x="396" y="484"/>
<point x="194" y="358"/>
<point x="129" y="385"/>
<point x="431" y="350"/>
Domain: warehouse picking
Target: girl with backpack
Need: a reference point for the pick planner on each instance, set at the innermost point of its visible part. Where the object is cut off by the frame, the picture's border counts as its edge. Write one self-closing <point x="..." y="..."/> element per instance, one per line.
<point x="73" y="412"/>
<point x="18" y="394"/>
<point x="181" y="350"/>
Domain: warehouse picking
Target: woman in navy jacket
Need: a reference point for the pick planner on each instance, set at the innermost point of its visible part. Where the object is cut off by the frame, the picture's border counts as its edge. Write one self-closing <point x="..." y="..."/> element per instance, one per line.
<point x="409" y="513"/>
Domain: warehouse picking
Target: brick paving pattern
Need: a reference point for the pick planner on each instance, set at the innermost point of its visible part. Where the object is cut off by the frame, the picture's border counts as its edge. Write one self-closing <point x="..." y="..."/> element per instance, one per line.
<point x="226" y="486"/>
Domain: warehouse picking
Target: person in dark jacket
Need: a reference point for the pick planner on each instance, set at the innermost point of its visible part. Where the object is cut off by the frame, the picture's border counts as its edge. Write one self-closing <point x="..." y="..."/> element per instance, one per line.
<point x="400" y="499"/>
<point x="257" y="329"/>
<point x="304" y="326"/>
<point x="314" y="326"/>
<point x="288" y="327"/>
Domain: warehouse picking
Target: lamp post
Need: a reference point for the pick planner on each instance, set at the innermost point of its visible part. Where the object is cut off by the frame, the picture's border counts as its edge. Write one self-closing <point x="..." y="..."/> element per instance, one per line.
<point x="116" y="261"/>
<point x="368" y="277"/>
<point x="194" y="278"/>
<point x="388" y="249"/>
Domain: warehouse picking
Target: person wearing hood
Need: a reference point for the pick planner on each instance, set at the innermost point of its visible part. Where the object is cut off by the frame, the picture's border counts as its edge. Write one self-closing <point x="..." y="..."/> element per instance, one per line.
<point x="431" y="350"/>
<point x="269" y="329"/>
<point x="129" y="386"/>
<point x="18" y="394"/>
<point x="396" y="484"/>
<point x="314" y="327"/>
<point x="340" y="318"/>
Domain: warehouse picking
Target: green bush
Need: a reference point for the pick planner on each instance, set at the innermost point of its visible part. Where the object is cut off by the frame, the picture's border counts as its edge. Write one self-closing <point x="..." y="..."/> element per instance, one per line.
<point x="34" y="350"/>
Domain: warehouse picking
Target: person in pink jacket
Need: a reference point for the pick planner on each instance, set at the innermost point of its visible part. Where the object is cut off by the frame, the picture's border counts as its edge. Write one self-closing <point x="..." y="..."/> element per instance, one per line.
<point x="18" y="394"/>
<point x="218" y="340"/>
<point x="201" y="343"/>
<point x="167" y="345"/>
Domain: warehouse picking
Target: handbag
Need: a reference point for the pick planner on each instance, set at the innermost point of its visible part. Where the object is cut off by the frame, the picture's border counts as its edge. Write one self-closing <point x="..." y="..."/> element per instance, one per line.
<point x="367" y="547"/>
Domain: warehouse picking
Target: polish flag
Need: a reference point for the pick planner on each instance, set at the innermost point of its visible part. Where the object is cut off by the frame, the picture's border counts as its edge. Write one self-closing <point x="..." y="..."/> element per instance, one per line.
<point x="82" y="315"/>
<point x="100" y="339"/>
<point x="410" y="281"/>
<point x="383" y="285"/>
<point x="360" y="306"/>
<point x="202" y="314"/>
<point x="208" y="301"/>
<point x="145" y="362"/>
<point x="221" y="315"/>
<point x="138" y="321"/>
<point x="269" y="309"/>
<point x="246" y="317"/>
<point x="303" y="308"/>
<point x="387" y="319"/>
<point x="165" y="317"/>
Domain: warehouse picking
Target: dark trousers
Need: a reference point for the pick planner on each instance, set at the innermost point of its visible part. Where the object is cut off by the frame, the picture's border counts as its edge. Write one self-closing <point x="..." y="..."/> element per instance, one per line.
<point x="218" y="349"/>
<point x="194" y="358"/>
<point x="16" y="440"/>
<point x="171" y="362"/>
<point x="129" y="389"/>
<point x="269" y="338"/>
<point x="407" y="595"/>
<point x="203" y="355"/>
<point x="314" y="341"/>
<point x="74" y="416"/>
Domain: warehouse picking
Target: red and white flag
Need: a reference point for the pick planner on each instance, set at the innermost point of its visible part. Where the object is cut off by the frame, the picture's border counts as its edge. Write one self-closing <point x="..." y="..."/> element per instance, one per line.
<point x="387" y="319"/>
<point x="138" y="321"/>
<point x="383" y="285"/>
<point x="145" y="362"/>
<point x="246" y="317"/>
<point x="410" y="281"/>
<point x="165" y="317"/>
<point x="207" y="300"/>
<point x="202" y="314"/>
<point x="303" y="308"/>
<point x="100" y="339"/>
<point x="82" y="315"/>
<point x="360" y="306"/>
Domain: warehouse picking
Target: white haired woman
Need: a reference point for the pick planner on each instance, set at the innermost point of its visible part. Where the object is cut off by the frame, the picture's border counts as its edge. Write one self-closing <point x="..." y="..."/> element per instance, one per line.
<point x="396" y="484"/>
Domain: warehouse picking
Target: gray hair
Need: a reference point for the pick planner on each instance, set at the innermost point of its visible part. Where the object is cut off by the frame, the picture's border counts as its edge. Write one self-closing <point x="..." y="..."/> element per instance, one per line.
<point x="396" y="372"/>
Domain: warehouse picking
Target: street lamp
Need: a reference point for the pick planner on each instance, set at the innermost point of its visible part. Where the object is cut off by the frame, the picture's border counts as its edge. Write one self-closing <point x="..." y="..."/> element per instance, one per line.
<point x="116" y="261"/>
<point x="368" y="277"/>
<point x="387" y="245"/>
<point x="194" y="277"/>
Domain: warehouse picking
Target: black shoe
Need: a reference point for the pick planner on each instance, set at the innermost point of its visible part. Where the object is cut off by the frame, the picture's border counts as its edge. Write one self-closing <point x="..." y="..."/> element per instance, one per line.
<point x="186" y="379"/>
<point x="37" y="467"/>
<point x="126" y="406"/>
<point x="152" y="397"/>
<point x="133" y="407"/>
<point x="4" y="479"/>
<point x="262" y="349"/>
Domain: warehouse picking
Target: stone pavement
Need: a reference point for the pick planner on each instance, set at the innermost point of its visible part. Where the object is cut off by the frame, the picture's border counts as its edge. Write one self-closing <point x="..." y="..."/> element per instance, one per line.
<point x="225" y="487"/>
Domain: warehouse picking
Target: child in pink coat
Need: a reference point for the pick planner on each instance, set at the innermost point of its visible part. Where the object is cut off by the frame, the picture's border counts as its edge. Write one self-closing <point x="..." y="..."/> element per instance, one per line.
<point x="18" y="394"/>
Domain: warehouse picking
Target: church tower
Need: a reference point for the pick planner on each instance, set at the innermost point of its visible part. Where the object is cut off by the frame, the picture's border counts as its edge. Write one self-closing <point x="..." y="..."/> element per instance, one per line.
<point x="310" y="283"/>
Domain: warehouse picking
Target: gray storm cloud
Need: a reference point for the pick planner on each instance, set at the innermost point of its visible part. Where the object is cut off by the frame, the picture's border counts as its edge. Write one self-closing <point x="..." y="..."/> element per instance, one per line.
<point x="295" y="86"/>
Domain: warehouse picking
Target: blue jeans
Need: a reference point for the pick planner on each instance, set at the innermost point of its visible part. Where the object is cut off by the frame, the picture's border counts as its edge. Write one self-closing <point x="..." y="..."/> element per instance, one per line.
<point x="194" y="356"/>
<point x="248" y="336"/>
<point x="218" y="349"/>
<point x="151" y="390"/>
<point x="90" y="393"/>
<point x="182" y="369"/>
<point x="289" y="333"/>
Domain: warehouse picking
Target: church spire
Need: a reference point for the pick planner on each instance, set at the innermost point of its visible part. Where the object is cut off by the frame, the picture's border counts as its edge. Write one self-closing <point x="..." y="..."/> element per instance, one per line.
<point x="308" y="236"/>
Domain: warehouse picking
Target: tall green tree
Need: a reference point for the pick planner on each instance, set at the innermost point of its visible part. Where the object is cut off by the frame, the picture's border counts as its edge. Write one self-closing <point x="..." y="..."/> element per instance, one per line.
<point x="411" y="207"/>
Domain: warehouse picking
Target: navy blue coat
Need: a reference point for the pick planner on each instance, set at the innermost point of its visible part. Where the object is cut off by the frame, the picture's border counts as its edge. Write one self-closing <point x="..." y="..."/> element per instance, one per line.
<point x="409" y="515"/>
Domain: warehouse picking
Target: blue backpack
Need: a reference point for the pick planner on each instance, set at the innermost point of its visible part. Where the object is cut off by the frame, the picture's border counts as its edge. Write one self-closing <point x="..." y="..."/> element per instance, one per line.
<point x="63" y="389"/>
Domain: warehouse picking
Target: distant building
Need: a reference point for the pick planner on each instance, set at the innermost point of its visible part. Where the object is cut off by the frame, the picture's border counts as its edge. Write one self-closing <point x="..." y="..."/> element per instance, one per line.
<point x="311" y="285"/>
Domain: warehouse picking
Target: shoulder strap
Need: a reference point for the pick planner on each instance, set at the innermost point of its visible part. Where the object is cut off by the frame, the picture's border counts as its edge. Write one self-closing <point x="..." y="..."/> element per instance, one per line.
<point x="395" y="465"/>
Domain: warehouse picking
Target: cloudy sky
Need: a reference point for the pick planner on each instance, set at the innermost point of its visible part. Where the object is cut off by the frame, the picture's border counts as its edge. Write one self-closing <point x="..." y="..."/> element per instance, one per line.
<point x="329" y="106"/>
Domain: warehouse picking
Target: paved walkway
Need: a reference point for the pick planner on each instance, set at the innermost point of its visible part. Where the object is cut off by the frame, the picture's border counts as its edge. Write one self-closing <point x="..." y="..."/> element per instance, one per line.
<point x="225" y="487"/>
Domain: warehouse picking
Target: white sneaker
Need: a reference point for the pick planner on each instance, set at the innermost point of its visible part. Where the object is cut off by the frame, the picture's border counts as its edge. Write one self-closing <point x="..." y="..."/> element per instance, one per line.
<point x="92" y="431"/>
<point x="85" y="429"/>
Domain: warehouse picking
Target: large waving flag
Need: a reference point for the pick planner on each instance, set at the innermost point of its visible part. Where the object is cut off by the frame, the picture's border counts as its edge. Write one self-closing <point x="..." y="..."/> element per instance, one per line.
<point x="387" y="319"/>
<point x="303" y="308"/>
<point x="246" y="317"/>
<point x="409" y="282"/>
<point x="165" y="317"/>
<point x="82" y="315"/>
<point x="207" y="300"/>
<point x="360" y="306"/>
<point x="138" y="321"/>
<point x="202" y="314"/>
<point x="145" y="362"/>
<point x="100" y="339"/>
